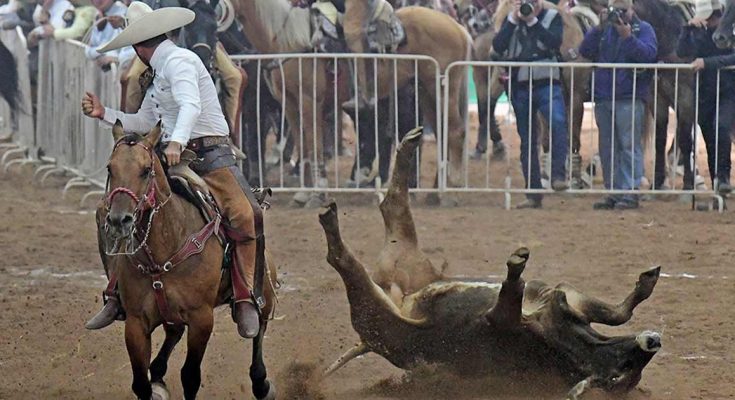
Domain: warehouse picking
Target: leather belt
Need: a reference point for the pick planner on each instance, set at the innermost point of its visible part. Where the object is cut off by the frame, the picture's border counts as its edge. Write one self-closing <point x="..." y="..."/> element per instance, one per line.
<point x="207" y="141"/>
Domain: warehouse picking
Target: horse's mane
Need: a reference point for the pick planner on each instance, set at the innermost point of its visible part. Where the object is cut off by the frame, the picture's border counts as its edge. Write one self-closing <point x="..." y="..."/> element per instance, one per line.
<point x="9" y="89"/>
<point x="288" y="26"/>
<point x="667" y="21"/>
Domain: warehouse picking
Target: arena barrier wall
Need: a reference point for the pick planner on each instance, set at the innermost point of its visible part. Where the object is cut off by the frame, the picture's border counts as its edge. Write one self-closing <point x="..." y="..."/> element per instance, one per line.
<point x="674" y="90"/>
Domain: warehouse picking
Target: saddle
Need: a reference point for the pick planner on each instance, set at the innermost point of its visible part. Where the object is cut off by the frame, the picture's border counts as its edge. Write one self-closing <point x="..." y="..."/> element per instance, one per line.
<point x="325" y="25"/>
<point x="384" y="31"/>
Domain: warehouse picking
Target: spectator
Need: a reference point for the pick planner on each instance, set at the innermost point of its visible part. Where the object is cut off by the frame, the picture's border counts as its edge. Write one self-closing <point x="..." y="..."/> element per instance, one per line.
<point x="696" y="43"/>
<point x="17" y="13"/>
<point x="536" y="36"/>
<point x="621" y="37"/>
<point x="110" y="22"/>
<point x="74" y="22"/>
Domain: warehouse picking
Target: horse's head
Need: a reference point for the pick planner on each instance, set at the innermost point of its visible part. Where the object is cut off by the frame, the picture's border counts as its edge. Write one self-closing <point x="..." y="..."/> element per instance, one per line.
<point x="475" y="15"/>
<point x="200" y="36"/>
<point x="134" y="181"/>
<point x="724" y="36"/>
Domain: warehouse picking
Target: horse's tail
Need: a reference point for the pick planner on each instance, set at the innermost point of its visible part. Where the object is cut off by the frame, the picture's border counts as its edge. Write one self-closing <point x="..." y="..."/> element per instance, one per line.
<point x="9" y="88"/>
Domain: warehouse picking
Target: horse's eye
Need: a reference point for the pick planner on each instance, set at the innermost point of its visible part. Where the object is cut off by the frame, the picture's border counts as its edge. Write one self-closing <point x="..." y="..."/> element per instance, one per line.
<point x="146" y="172"/>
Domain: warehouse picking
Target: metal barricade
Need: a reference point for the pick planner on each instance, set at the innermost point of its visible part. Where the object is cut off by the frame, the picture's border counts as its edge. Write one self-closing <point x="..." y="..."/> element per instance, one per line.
<point x="674" y="90"/>
<point x="328" y="80"/>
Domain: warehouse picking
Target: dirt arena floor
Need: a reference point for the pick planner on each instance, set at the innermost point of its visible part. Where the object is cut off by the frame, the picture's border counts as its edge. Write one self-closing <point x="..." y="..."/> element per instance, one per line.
<point x="50" y="283"/>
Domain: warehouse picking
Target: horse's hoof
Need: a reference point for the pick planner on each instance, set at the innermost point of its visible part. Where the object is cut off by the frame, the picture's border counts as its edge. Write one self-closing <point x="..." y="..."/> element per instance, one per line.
<point x="271" y="395"/>
<point x="159" y="392"/>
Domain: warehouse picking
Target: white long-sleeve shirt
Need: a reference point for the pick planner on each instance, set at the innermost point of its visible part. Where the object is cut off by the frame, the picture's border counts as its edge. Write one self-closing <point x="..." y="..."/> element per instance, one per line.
<point x="98" y="37"/>
<point x="182" y="96"/>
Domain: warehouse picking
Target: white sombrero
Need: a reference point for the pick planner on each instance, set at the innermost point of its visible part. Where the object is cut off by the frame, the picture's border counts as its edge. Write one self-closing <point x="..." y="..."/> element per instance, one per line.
<point x="144" y="23"/>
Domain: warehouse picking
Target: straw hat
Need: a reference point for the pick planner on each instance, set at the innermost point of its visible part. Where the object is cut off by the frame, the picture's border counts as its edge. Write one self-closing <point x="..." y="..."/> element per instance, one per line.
<point x="144" y="23"/>
<point x="704" y="8"/>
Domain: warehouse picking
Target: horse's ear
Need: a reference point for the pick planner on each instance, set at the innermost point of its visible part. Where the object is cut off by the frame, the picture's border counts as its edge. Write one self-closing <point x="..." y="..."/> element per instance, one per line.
<point x="152" y="138"/>
<point x="117" y="130"/>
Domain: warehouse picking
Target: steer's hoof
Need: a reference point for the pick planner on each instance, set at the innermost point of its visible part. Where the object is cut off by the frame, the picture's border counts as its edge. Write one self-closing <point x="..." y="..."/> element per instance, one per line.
<point x="159" y="392"/>
<point x="647" y="281"/>
<point x="516" y="264"/>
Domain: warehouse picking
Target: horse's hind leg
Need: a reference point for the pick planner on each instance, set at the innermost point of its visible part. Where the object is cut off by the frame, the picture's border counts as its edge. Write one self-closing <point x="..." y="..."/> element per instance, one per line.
<point x="138" y="343"/>
<point x="612" y="314"/>
<point x="200" y="329"/>
<point x="263" y="389"/>
<point x="159" y="366"/>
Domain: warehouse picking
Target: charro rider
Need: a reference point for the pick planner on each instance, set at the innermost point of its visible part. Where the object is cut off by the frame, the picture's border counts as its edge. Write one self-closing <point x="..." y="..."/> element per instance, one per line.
<point x="182" y="95"/>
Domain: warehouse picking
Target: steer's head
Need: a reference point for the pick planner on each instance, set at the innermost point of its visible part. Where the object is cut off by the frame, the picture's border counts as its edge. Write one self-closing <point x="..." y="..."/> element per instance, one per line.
<point x="611" y="363"/>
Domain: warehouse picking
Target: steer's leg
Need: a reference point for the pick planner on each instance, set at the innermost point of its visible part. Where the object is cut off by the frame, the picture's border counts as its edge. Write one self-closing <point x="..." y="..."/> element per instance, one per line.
<point x="612" y="314"/>
<point x="354" y="352"/>
<point x="507" y="311"/>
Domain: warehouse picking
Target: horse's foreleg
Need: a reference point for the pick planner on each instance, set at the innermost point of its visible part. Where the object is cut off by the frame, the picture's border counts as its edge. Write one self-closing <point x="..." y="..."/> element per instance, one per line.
<point x="138" y="343"/>
<point x="159" y="366"/>
<point x="200" y="329"/>
<point x="262" y="388"/>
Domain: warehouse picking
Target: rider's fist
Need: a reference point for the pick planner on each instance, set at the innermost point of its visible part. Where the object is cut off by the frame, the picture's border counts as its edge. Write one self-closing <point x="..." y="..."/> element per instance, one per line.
<point x="92" y="107"/>
<point x="173" y="153"/>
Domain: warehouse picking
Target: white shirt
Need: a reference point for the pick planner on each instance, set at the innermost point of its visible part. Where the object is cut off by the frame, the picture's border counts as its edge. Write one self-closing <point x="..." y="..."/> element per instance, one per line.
<point x="182" y="96"/>
<point x="98" y="37"/>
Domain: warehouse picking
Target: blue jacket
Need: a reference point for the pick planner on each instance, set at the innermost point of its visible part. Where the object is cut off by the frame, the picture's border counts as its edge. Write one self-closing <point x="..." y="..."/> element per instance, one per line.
<point x="607" y="47"/>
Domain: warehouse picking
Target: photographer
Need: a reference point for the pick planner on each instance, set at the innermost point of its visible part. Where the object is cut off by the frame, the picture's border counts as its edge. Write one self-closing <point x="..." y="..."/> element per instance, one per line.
<point x="696" y="43"/>
<point x="532" y="33"/>
<point x="621" y="38"/>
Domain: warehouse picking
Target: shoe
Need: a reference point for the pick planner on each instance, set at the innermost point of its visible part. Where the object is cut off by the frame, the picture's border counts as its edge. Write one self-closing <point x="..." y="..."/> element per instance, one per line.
<point x="559" y="185"/>
<point x="608" y="203"/>
<point x="626" y="205"/>
<point x="529" y="204"/>
<point x="246" y="317"/>
<point x="724" y="187"/>
<point x="110" y="313"/>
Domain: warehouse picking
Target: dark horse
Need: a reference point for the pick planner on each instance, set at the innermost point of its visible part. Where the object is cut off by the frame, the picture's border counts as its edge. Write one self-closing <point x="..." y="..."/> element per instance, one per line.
<point x="675" y="89"/>
<point x="9" y="89"/>
<point x="173" y="285"/>
<point x="724" y="36"/>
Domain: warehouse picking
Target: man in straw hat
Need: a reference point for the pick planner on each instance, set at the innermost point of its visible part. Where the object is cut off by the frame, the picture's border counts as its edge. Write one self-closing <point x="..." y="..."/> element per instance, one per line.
<point x="183" y="97"/>
<point x="696" y="43"/>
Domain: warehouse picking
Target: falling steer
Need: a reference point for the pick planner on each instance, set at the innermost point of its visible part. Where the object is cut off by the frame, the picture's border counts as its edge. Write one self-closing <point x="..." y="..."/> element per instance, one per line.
<point x="411" y="314"/>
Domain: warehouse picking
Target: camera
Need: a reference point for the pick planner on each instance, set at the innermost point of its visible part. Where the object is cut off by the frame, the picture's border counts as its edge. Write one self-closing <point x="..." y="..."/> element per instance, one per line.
<point x="615" y="15"/>
<point x="527" y="7"/>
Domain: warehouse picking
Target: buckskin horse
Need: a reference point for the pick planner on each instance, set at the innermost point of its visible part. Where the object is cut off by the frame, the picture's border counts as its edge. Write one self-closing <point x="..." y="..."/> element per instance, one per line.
<point x="170" y="270"/>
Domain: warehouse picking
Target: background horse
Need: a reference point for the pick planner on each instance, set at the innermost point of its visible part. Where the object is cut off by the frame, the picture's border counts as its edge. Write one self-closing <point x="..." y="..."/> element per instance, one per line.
<point x="675" y="88"/>
<point x="430" y="33"/>
<point x="182" y="295"/>
<point x="9" y="89"/>
<point x="724" y="36"/>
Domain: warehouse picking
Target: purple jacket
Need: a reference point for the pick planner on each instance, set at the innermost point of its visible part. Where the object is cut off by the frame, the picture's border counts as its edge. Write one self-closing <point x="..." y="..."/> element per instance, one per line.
<point x="607" y="47"/>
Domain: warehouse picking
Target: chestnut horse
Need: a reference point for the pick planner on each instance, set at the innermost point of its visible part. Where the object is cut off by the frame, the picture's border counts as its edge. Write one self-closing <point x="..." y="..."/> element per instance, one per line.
<point x="143" y="212"/>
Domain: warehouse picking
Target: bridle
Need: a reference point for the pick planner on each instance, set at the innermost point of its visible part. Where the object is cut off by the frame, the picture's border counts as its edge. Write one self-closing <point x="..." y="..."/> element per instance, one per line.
<point x="149" y="202"/>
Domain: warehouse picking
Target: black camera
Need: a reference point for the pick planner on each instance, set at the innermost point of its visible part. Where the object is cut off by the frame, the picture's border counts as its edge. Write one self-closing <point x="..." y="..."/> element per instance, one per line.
<point x="615" y="15"/>
<point x="527" y="7"/>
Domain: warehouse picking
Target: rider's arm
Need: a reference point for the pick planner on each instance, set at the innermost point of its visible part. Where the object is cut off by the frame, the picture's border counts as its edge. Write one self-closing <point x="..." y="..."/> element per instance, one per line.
<point x="141" y="122"/>
<point x="185" y="90"/>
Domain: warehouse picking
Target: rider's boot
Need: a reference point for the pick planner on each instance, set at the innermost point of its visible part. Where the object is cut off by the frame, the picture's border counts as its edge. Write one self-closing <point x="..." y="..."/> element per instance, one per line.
<point x="111" y="312"/>
<point x="244" y="312"/>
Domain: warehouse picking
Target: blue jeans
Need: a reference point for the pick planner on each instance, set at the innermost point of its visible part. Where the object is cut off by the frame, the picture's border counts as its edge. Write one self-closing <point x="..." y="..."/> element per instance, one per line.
<point x="549" y="101"/>
<point x="621" y="151"/>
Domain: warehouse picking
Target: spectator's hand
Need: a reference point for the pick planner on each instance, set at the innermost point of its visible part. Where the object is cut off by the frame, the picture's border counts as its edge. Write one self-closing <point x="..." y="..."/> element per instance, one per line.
<point x="92" y="107"/>
<point x="698" y="22"/>
<point x="33" y="38"/>
<point x="173" y="153"/>
<point x="517" y="10"/>
<point x="624" y="29"/>
<point x="116" y="21"/>
<point x="105" y="61"/>
<point x="698" y="64"/>
<point x="48" y="30"/>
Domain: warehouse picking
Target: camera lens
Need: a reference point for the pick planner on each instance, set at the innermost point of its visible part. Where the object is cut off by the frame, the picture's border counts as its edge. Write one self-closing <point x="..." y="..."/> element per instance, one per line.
<point x="526" y="9"/>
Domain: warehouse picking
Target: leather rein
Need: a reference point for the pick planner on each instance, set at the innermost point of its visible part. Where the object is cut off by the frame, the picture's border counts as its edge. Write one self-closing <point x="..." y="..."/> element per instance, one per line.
<point x="142" y="255"/>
